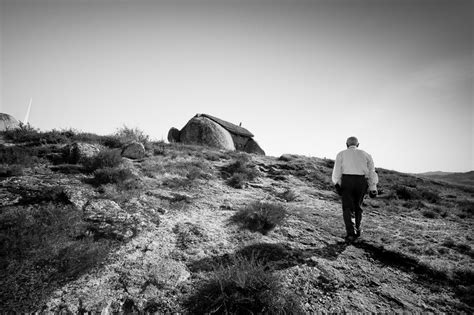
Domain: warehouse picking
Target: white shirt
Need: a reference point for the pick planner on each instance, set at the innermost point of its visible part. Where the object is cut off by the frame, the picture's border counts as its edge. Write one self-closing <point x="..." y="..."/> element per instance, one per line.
<point x="355" y="162"/>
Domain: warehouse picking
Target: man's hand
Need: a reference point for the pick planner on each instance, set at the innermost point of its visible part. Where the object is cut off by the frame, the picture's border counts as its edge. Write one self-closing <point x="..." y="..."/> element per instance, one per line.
<point x="372" y="193"/>
<point x="338" y="189"/>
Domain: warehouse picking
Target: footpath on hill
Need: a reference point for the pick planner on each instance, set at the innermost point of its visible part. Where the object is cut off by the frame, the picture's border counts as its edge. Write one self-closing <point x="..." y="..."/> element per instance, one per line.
<point x="402" y="262"/>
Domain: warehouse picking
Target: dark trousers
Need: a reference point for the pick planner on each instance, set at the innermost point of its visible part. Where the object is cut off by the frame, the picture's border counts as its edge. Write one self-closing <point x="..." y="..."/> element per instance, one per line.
<point x="353" y="189"/>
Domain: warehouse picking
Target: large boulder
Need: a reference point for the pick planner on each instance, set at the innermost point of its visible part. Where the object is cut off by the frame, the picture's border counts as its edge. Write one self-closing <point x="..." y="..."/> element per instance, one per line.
<point x="8" y="122"/>
<point x="203" y="131"/>
<point x="211" y="131"/>
<point x="134" y="150"/>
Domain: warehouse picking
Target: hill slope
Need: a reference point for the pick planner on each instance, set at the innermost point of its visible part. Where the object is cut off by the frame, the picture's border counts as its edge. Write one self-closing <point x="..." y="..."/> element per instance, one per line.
<point x="151" y="234"/>
<point x="456" y="178"/>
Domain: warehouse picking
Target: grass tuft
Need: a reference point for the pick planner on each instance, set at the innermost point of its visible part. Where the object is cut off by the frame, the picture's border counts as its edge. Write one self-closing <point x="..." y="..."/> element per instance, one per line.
<point x="260" y="216"/>
<point x="244" y="287"/>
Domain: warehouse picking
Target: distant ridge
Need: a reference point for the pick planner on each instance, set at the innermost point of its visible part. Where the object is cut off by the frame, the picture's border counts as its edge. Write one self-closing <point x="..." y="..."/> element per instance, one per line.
<point x="466" y="178"/>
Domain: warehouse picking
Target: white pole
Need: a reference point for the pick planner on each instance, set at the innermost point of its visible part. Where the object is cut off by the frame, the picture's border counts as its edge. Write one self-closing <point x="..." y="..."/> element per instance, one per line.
<point x="27" y="116"/>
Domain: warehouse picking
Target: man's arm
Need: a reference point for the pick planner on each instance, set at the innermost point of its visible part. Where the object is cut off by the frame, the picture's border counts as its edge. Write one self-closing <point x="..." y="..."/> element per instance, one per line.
<point x="373" y="178"/>
<point x="337" y="170"/>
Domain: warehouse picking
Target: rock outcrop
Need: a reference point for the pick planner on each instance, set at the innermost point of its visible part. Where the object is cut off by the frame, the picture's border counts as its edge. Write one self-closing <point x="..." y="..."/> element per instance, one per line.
<point x="252" y="147"/>
<point x="106" y="218"/>
<point x="77" y="152"/>
<point x="211" y="131"/>
<point x="203" y="131"/>
<point x="134" y="150"/>
<point x="8" y="122"/>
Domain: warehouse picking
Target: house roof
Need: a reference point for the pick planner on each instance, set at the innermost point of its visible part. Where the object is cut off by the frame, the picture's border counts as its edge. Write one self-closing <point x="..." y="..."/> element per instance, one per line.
<point x="229" y="126"/>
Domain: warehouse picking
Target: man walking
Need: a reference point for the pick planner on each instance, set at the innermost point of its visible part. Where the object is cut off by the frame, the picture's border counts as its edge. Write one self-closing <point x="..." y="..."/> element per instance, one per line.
<point x="353" y="173"/>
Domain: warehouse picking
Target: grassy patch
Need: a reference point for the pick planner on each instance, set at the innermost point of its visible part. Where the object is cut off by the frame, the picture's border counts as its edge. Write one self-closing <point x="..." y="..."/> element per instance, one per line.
<point x="109" y="175"/>
<point x="260" y="216"/>
<point x="11" y="170"/>
<point x="244" y="287"/>
<point x="107" y="158"/>
<point x="465" y="208"/>
<point x="41" y="248"/>
<point x="430" y="214"/>
<point x="15" y="155"/>
<point x="188" y="235"/>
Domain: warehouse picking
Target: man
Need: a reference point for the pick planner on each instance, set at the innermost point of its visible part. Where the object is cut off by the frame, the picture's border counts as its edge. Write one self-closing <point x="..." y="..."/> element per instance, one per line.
<point x="353" y="173"/>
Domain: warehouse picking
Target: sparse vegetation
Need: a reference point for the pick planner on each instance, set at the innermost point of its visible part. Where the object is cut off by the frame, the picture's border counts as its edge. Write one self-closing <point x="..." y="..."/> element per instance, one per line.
<point x="188" y="235"/>
<point x="107" y="158"/>
<point x="125" y="135"/>
<point x="244" y="287"/>
<point x="110" y="175"/>
<point x="428" y="213"/>
<point x="188" y="172"/>
<point x="239" y="172"/>
<point x="10" y="170"/>
<point x="287" y="195"/>
<point x="15" y="155"/>
<point x="42" y="247"/>
<point x="260" y="216"/>
<point x="33" y="136"/>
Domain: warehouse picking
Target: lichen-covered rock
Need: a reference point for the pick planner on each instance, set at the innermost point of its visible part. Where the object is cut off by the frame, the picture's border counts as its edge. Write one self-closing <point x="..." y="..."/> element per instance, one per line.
<point x="203" y="131"/>
<point x="79" y="195"/>
<point x="106" y="218"/>
<point x="78" y="151"/>
<point x="134" y="150"/>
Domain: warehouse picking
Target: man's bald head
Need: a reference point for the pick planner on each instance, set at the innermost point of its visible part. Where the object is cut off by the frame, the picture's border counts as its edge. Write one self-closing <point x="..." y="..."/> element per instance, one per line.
<point x="352" y="141"/>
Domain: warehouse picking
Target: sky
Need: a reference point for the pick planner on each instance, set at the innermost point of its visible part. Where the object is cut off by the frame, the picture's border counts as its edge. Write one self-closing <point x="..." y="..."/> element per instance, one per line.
<point x="301" y="75"/>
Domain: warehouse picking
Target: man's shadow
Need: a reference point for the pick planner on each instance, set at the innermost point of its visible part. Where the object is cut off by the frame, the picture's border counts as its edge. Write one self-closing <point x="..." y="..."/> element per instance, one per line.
<point x="275" y="256"/>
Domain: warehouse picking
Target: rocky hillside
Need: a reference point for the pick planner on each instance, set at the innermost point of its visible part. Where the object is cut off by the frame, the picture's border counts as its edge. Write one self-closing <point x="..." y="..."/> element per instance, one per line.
<point x="177" y="228"/>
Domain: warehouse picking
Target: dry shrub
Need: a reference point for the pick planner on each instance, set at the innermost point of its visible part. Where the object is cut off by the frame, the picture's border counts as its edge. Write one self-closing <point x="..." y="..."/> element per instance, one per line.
<point x="239" y="172"/>
<point x="18" y="155"/>
<point x="109" y="175"/>
<point x="107" y="158"/>
<point x="246" y="286"/>
<point x="126" y="135"/>
<point x="260" y="216"/>
<point x="188" y="235"/>
<point x="429" y="213"/>
<point x="406" y="193"/>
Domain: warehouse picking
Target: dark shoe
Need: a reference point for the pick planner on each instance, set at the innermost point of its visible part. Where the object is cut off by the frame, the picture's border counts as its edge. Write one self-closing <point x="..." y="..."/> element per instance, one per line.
<point x="358" y="232"/>
<point x="350" y="238"/>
